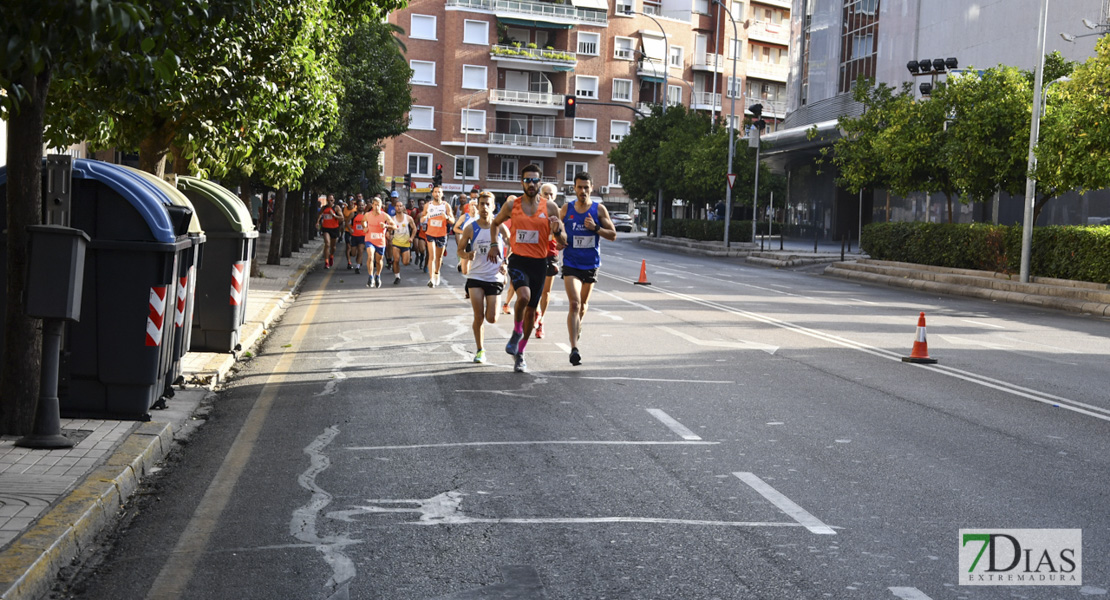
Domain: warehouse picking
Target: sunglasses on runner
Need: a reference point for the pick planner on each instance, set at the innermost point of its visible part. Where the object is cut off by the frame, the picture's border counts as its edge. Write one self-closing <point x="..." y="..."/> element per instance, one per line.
<point x="531" y="180"/>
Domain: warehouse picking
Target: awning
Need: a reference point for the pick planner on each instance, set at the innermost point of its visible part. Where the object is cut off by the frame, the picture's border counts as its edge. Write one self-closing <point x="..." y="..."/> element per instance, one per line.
<point x="602" y="5"/>
<point x="651" y="79"/>
<point x="654" y="47"/>
<point x="529" y="23"/>
<point x="562" y="69"/>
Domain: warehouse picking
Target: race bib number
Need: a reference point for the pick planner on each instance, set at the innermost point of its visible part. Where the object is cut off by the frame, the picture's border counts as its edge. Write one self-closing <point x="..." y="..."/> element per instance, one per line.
<point x="583" y="241"/>
<point x="527" y="236"/>
<point x="436" y="222"/>
<point x="377" y="236"/>
<point x="483" y="249"/>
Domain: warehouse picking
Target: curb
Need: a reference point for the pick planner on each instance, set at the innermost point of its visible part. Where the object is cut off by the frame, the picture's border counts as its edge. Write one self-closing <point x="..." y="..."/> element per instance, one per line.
<point x="62" y="533"/>
<point x="732" y="252"/>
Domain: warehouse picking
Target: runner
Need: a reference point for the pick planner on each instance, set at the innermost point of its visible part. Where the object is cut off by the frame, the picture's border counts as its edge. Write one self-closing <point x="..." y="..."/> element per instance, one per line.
<point x="439" y="215"/>
<point x="389" y="207"/>
<point x="402" y="239"/>
<point x="534" y="221"/>
<point x="548" y="191"/>
<point x="329" y="222"/>
<point x="376" y="224"/>
<point x="486" y="278"/>
<point x="467" y="213"/>
<point x="349" y="213"/>
<point x="586" y="223"/>
<point x="358" y="234"/>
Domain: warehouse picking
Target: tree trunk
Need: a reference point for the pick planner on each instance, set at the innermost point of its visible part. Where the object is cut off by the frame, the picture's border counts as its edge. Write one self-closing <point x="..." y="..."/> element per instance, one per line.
<point x="245" y="194"/>
<point x="274" y="256"/>
<point x="154" y="150"/>
<point x="290" y="223"/>
<point x="949" y="197"/>
<point x="19" y="373"/>
<point x="298" y="221"/>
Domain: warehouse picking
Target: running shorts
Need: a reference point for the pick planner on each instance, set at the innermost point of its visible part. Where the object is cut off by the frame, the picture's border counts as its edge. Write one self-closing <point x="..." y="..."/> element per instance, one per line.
<point x="526" y="271"/>
<point x="440" y="241"/>
<point x="491" y="288"/>
<point x="583" y="275"/>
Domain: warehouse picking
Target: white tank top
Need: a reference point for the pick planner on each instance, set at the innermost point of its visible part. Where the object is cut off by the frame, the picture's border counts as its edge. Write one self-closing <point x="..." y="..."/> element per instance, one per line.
<point x="482" y="268"/>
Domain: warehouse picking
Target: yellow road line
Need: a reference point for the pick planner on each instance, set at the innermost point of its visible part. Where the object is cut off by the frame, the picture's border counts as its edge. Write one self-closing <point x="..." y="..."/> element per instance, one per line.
<point x="179" y="568"/>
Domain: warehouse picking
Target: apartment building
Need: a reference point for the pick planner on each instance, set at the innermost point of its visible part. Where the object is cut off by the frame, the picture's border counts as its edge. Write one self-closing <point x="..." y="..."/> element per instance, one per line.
<point x="490" y="78"/>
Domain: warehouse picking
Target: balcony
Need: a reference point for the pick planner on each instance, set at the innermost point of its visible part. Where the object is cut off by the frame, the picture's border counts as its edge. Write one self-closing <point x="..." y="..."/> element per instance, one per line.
<point x="514" y="178"/>
<point x="706" y="101"/>
<point x="652" y="68"/>
<point x="705" y="63"/>
<point x="519" y="99"/>
<point x="532" y="141"/>
<point x="764" y="31"/>
<point x="769" y="71"/>
<point x="779" y="3"/>
<point x="644" y="108"/>
<point x="771" y="108"/>
<point x="535" y="59"/>
<point x="564" y="14"/>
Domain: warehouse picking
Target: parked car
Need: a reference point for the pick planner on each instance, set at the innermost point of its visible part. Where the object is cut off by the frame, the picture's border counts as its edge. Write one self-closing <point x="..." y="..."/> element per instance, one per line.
<point x="623" y="221"/>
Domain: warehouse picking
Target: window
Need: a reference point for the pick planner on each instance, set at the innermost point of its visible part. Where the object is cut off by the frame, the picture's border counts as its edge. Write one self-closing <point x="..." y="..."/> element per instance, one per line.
<point x="588" y="43"/>
<point x="585" y="130"/>
<point x="474" y="121"/>
<point x="622" y="90"/>
<point x="508" y="169"/>
<point x="674" y="95"/>
<point x="622" y="48"/>
<point x="857" y="41"/>
<point x="676" y="56"/>
<point x="423" y="72"/>
<point x="618" y="130"/>
<point x="518" y="124"/>
<point x="543" y="126"/>
<point x="736" y="49"/>
<point x="420" y="117"/>
<point x="572" y="169"/>
<point x="614" y="177"/>
<point x="471" y="163"/>
<point x="737" y="11"/>
<point x="585" y="86"/>
<point x="474" y="78"/>
<point x="701" y="7"/>
<point x="420" y="165"/>
<point x="476" y="32"/>
<point x="732" y="87"/>
<point x="624" y="7"/>
<point x="422" y="27"/>
<point x="652" y="8"/>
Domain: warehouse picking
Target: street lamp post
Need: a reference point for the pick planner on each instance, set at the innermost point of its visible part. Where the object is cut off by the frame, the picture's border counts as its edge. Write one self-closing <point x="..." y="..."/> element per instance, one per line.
<point x="466" y="136"/>
<point x="666" y="59"/>
<point x="1034" y="133"/>
<point x="732" y="131"/>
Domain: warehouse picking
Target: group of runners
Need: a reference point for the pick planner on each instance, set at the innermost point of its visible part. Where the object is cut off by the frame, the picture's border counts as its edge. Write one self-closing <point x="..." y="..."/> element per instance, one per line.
<point x="519" y="244"/>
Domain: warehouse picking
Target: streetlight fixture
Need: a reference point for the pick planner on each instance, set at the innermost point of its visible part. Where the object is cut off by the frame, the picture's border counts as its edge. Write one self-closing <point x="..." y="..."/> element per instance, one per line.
<point x="666" y="67"/>
<point x="734" y="88"/>
<point x="466" y="135"/>
<point x="931" y="68"/>
<point x="1099" y="28"/>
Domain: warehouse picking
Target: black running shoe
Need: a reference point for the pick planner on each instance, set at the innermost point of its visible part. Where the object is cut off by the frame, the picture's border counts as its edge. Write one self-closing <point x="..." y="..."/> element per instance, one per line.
<point x="575" y="357"/>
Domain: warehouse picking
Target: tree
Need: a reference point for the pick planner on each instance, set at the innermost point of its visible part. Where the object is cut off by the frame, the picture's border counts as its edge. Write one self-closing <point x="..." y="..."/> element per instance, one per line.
<point x="45" y="40"/>
<point x="705" y="172"/>
<point x="856" y="154"/>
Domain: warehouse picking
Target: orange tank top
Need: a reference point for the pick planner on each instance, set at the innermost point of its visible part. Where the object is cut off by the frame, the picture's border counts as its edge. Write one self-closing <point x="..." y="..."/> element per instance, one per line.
<point x="437" y="220"/>
<point x="375" y="228"/>
<point x="329" y="221"/>
<point x="359" y="225"/>
<point x="530" y="233"/>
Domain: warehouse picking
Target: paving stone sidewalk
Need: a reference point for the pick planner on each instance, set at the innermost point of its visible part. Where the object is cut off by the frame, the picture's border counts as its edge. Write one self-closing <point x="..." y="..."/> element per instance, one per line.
<point x="55" y="502"/>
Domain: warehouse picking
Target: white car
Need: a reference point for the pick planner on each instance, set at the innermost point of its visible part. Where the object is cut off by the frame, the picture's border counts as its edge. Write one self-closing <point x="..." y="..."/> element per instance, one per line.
<point x="623" y="221"/>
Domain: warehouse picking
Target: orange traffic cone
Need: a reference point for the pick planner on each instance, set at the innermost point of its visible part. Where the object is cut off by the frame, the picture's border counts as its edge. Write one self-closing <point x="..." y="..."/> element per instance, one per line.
<point x="643" y="274"/>
<point x="920" y="352"/>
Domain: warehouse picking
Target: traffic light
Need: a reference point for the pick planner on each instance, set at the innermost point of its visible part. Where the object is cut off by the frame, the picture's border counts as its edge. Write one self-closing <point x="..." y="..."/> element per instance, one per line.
<point x="408" y="181"/>
<point x="569" y="106"/>
<point x="438" y="179"/>
<point x="392" y="185"/>
<point x="756" y="110"/>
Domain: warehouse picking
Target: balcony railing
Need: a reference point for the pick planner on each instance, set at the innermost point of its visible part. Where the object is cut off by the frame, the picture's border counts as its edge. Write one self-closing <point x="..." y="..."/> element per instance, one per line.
<point x="770" y="107"/>
<point x="707" y="99"/>
<point x="535" y="99"/>
<point x="769" y="32"/>
<point x="542" y="10"/>
<point x="779" y="3"/>
<point x="513" y="178"/>
<point x="648" y="67"/>
<point x="538" y="141"/>
<point x="763" y="70"/>
<point x="705" y="62"/>
<point x="560" y="57"/>
<point x="644" y="108"/>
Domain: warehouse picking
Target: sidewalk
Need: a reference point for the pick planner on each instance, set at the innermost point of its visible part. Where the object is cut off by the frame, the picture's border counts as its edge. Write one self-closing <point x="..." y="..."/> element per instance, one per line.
<point x="1057" y="294"/>
<point x="53" y="503"/>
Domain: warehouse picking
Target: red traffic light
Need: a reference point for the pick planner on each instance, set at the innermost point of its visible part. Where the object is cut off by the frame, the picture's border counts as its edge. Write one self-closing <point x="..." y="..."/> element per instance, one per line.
<point x="569" y="106"/>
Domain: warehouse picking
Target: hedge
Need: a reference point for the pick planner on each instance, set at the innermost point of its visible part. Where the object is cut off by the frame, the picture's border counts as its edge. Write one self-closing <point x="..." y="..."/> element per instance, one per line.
<point x="704" y="230"/>
<point x="1064" y="252"/>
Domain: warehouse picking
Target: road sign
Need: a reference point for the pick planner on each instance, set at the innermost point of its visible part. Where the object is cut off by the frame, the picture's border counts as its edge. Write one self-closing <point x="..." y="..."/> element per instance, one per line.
<point x="731" y="179"/>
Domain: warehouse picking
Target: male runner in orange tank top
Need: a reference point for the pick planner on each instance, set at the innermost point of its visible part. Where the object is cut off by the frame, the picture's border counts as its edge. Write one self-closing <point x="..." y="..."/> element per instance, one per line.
<point x="535" y="219"/>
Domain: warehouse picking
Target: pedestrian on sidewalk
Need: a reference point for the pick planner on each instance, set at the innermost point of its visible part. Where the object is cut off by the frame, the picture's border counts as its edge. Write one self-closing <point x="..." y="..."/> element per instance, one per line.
<point x="586" y="222"/>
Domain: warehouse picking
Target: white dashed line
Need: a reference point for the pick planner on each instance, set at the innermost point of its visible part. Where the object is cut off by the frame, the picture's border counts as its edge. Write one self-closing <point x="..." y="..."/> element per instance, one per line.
<point x="908" y="593"/>
<point x="673" y="425"/>
<point x="785" y="504"/>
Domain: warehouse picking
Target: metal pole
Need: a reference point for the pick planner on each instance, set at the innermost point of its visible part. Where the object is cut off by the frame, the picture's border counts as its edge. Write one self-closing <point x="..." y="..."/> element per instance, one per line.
<point x="731" y="132"/>
<point x="1034" y="133"/>
<point x="716" y="57"/>
<point x="466" y="142"/>
<point x="666" y="61"/>
<point x="755" y="192"/>
<point x="859" y="232"/>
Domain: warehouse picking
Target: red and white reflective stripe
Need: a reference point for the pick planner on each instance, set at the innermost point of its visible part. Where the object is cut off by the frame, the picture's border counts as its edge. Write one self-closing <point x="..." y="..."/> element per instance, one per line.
<point x="154" y="319"/>
<point x="921" y="334"/>
<point x="182" y="289"/>
<point x="238" y="270"/>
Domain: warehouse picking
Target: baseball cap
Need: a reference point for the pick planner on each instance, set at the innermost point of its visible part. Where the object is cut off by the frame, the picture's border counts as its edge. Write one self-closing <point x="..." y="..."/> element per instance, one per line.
<point x="475" y="189"/>
<point x="394" y="194"/>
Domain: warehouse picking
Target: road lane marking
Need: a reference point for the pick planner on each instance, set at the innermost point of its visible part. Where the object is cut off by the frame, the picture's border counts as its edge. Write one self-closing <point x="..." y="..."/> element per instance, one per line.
<point x="179" y="569"/>
<point x="975" y="378"/>
<point x="673" y="425"/>
<point x="984" y="325"/>
<point x="908" y="593"/>
<point x="563" y="347"/>
<point x="636" y="304"/>
<point x="446" y="509"/>
<point x="736" y="345"/>
<point x="785" y="504"/>
<point x="654" y="380"/>
<point x="533" y="443"/>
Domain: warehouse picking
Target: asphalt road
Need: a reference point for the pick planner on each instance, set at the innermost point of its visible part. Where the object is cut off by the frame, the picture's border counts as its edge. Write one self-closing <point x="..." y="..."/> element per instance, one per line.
<point x="733" y="432"/>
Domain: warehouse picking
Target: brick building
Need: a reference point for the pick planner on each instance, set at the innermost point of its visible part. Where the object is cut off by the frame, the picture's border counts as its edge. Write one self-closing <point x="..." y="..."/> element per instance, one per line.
<point x="490" y="79"/>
